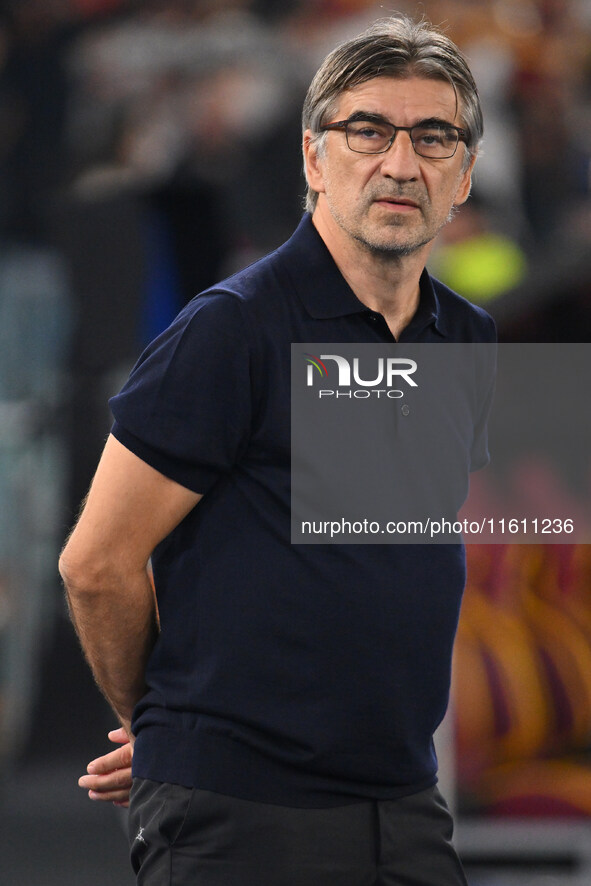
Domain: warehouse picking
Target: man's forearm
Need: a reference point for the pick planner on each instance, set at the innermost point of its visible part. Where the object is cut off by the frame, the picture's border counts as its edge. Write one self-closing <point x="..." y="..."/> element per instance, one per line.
<point x="117" y="627"/>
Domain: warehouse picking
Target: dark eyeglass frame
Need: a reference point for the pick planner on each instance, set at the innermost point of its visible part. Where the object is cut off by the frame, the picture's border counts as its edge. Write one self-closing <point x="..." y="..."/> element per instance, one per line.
<point x="343" y="125"/>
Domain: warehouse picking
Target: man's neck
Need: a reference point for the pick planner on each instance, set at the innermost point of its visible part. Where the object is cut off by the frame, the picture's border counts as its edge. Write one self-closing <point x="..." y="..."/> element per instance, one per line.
<point x="384" y="282"/>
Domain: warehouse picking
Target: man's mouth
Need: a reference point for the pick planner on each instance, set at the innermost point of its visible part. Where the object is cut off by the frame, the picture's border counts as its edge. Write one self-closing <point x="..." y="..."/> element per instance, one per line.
<point x="401" y="203"/>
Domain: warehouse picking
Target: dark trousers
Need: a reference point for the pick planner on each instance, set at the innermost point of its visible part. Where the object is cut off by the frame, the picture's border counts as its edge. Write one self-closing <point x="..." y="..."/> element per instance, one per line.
<point x="184" y="837"/>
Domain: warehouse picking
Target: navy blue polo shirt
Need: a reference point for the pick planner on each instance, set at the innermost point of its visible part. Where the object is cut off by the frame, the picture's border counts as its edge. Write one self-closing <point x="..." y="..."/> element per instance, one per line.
<point x="301" y="675"/>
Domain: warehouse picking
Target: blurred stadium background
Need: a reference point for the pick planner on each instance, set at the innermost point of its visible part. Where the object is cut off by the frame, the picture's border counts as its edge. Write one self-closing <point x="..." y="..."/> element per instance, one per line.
<point x="146" y="149"/>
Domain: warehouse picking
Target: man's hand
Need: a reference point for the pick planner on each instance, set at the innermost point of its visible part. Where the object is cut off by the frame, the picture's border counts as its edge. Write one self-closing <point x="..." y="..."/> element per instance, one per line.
<point x="109" y="776"/>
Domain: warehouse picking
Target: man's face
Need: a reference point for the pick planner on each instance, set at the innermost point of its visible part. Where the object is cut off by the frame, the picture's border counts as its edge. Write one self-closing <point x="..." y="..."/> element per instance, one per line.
<point x="359" y="194"/>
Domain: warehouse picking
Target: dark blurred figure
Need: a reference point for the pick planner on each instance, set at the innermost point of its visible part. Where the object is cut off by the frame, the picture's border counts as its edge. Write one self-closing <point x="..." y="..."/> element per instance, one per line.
<point x="551" y="162"/>
<point x="33" y="98"/>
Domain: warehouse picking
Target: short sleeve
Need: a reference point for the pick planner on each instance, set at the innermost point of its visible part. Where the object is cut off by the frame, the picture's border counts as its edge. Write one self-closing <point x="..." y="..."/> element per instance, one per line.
<point x="186" y="407"/>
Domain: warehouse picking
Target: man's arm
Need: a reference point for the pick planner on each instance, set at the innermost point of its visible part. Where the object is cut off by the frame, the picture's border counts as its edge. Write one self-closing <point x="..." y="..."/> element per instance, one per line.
<point x="130" y="508"/>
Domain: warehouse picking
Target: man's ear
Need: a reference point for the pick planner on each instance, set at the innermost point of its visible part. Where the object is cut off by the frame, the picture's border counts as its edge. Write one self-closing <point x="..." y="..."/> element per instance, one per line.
<point x="465" y="185"/>
<point x="312" y="162"/>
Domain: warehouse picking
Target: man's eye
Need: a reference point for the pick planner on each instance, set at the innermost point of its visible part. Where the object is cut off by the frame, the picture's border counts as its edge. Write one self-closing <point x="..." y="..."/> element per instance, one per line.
<point x="431" y="137"/>
<point x="367" y="131"/>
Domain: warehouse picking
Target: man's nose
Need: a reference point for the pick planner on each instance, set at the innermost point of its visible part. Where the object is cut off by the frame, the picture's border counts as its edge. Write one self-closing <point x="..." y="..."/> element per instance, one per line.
<point x="400" y="161"/>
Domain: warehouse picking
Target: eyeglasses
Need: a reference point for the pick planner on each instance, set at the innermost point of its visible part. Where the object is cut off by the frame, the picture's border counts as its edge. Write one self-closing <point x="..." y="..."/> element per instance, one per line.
<point x="431" y="139"/>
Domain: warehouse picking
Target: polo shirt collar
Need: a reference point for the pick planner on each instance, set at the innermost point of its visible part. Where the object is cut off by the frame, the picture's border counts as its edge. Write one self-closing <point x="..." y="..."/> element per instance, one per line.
<point x="314" y="275"/>
<point x="326" y="294"/>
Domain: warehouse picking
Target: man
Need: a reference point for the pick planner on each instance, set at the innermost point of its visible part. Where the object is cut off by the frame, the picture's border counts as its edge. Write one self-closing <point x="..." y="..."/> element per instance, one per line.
<point x="281" y="700"/>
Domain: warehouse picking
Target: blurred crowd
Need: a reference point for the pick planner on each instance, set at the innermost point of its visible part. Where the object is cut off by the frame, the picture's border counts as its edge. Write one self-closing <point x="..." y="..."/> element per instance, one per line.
<point x="194" y="104"/>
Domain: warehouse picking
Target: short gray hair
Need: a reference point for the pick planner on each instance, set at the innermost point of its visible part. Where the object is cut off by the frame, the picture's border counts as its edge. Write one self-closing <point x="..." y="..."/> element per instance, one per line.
<point x="397" y="47"/>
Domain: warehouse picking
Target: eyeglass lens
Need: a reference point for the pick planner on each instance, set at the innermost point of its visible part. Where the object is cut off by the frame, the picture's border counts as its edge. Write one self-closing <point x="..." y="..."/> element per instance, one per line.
<point x="369" y="137"/>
